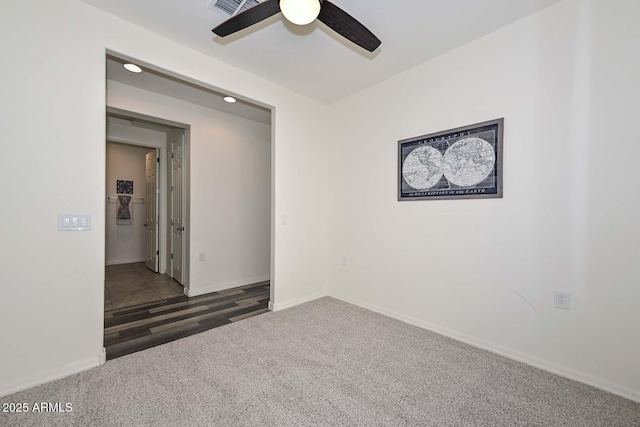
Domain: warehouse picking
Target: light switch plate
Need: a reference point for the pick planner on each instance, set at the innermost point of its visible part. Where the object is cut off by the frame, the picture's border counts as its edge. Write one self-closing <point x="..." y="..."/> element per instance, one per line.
<point x="74" y="222"/>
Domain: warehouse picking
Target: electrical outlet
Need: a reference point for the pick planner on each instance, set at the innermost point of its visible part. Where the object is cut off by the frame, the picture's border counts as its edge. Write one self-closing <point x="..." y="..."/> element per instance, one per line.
<point x="344" y="261"/>
<point x="562" y="300"/>
<point x="202" y="256"/>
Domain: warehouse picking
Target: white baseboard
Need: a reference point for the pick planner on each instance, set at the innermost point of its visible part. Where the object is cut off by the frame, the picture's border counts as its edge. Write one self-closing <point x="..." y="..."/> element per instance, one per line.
<point x="544" y="365"/>
<point x="289" y="304"/>
<point x="124" y="261"/>
<point x="48" y="376"/>
<point x="221" y="287"/>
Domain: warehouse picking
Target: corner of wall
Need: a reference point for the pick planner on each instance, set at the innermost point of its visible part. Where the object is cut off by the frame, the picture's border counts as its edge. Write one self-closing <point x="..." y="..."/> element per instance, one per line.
<point x="288" y="304"/>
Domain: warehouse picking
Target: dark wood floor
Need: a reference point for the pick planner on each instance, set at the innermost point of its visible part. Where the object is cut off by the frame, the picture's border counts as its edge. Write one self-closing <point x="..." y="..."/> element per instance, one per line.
<point x="140" y="327"/>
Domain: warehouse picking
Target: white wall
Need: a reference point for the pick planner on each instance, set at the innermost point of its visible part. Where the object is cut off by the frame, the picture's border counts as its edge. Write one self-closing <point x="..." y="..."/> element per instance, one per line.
<point x="230" y="188"/>
<point x="567" y="81"/>
<point x="57" y="308"/>
<point x="125" y="243"/>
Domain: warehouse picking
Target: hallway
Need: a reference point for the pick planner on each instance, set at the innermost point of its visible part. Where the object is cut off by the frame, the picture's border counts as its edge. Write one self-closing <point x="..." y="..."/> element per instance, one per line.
<point x="133" y="284"/>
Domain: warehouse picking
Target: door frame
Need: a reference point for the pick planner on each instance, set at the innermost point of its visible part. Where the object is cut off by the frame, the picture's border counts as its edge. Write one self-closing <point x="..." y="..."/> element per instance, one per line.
<point x="165" y="261"/>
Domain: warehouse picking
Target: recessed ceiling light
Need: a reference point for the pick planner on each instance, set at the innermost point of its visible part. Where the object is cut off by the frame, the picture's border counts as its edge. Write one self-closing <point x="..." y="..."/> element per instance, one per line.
<point x="229" y="99"/>
<point x="133" y="68"/>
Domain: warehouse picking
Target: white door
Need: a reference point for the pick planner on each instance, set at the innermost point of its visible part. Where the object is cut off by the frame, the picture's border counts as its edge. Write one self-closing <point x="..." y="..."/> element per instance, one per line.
<point x="151" y="216"/>
<point x="178" y="208"/>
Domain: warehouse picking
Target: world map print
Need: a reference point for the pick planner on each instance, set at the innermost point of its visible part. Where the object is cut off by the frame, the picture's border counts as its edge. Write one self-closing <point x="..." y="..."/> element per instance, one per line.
<point x="465" y="164"/>
<point x="460" y="163"/>
<point x="468" y="162"/>
<point x="422" y="168"/>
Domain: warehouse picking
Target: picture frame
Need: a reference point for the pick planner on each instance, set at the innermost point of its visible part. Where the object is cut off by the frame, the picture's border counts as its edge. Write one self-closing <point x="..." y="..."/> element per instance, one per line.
<point x="124" y="187"/>
<point x="460" y="163"/>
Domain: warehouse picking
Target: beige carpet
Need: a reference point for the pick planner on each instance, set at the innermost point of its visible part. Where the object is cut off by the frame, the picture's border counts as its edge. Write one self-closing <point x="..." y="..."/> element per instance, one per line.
<point x="325" y="363"/>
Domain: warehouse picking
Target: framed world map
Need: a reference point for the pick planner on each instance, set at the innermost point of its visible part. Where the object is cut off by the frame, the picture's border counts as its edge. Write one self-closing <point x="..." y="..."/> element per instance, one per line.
<point x="461" y="163"/>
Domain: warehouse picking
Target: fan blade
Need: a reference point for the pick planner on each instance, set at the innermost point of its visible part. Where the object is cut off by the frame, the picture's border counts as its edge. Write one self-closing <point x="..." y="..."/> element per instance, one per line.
<point x="347" y="26"/>
<point x="251" y="16"/>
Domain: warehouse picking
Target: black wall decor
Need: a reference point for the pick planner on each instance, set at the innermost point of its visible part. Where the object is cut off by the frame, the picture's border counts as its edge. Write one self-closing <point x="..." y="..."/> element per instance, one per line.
<point x="462" y="163"/>
<point x="124" y="187"/>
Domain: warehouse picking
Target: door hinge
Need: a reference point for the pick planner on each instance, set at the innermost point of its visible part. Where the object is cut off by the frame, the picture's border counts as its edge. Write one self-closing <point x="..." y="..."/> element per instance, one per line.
<point x="157" y="252"/>
<point x="171" y="256"/>
<point x="172" y="155"/>
<point x="158" y="159"/>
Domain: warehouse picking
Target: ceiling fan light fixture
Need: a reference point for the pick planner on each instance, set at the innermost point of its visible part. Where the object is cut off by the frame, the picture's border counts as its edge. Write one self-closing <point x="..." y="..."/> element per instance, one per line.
<point x="300" y="12"/>
<point x="133" y="68"/>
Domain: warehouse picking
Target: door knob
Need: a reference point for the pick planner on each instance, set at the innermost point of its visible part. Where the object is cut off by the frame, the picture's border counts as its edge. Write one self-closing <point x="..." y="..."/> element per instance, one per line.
<point x="181" y="229"/>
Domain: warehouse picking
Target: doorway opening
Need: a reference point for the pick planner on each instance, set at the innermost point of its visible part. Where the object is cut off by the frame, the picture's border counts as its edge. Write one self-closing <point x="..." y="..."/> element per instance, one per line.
<point x="145" y="232"/>
<point x="185" y="137"/>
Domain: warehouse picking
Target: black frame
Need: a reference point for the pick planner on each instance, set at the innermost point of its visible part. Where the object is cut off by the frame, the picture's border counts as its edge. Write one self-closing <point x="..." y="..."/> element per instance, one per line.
<point x="124" y="187"/>
<point x="490" y="132"/>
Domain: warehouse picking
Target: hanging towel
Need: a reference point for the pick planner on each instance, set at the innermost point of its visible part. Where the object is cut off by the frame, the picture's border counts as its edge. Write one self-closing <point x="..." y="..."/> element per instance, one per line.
<point x="123" y="217"/>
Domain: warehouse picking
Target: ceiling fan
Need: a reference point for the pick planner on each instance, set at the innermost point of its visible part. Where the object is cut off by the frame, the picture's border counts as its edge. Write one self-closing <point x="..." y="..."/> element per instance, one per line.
<point x="303" y="12"/>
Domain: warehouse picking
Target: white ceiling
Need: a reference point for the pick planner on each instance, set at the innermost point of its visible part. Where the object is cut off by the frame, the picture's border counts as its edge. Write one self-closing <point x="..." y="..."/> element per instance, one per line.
<point x="313" y="60"/>
<point x="165" y="85"/>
